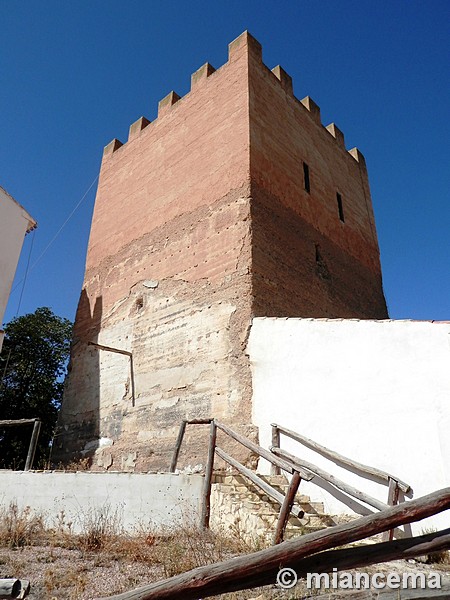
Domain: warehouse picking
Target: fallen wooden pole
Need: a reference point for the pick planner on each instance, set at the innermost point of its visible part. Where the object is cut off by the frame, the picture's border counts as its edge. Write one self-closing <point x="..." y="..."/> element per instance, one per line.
<point x="362" y="556"/>
<point x="14" y="588"/>
<point x="261" y="568"/>
<point x="9" y="588"/>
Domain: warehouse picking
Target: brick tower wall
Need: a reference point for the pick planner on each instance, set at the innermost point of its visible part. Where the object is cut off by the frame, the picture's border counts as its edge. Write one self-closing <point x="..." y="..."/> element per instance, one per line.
<point x="305" y="261"/>
<point x="167" y="279"/>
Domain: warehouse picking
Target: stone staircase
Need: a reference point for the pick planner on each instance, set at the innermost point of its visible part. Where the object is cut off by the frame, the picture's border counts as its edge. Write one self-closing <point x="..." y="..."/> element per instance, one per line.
<point x="240" y="508"/>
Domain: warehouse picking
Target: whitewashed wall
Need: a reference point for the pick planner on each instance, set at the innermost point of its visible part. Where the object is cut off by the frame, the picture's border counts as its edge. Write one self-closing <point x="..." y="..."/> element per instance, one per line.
<point x="14" y="222"/>
<point x="129" y="500"/>
<point x="375" y="391"/>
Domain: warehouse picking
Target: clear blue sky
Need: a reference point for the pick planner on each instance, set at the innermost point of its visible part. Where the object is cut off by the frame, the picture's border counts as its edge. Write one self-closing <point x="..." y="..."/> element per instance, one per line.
<point x="75" y="74"/>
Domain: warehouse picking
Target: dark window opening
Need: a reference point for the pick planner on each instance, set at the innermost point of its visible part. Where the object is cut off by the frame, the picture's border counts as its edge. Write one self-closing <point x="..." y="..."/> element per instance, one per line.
<point x="306" y="178"/>
<point x="340" y="207"/>
<point x="318" y="254"/>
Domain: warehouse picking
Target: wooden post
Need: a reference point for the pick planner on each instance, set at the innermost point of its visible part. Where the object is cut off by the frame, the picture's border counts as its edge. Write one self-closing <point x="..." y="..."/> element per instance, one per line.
<point x="176" y="452"/>
<point x="407" y="526"/>
<point x="392" y="501"/>
<point x="33" y="444"/>
<point x="206" y="506"/>
<point x="274" y="469"/>
<point x="286" y="507"/>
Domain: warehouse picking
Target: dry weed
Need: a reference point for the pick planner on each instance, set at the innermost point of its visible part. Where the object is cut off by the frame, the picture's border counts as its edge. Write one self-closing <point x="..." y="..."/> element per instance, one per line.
<point x="99" y="527"/>
<point x="20" y="527"/>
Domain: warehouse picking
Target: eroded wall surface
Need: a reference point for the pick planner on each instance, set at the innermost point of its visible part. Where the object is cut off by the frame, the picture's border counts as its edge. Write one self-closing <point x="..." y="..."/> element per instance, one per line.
<point x="377" y="392"/>
<point x="167" y="279"/>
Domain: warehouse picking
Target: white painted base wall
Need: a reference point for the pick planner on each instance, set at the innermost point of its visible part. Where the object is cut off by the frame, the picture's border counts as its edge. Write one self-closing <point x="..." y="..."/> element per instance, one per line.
<point x="375" y="391"/>
<point x="135" y="500"/>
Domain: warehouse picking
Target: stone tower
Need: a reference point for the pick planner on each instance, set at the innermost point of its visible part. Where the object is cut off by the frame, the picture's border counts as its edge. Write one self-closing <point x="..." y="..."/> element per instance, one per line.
<point x="235" y="202"/>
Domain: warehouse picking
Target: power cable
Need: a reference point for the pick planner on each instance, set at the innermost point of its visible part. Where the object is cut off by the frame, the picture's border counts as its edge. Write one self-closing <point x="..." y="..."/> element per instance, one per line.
<point x="59" y="231"/>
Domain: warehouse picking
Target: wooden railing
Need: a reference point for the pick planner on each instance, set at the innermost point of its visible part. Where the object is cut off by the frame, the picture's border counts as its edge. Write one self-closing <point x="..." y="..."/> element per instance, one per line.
<point x="286" y="501"/>
<point x="34" y="436"/>
<point x="349" y="495"/>
<point x="281" y="460"/>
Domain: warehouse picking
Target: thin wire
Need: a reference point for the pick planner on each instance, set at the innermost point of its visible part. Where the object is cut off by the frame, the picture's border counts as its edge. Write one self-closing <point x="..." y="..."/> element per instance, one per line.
<point x="59" y="231"/>
<point x="18" y="306"/>
<point x="28" y="268"/>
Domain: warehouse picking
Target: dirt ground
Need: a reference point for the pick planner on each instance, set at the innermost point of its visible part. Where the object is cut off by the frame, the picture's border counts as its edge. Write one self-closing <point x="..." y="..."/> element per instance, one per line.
<point x="58" y="573"/>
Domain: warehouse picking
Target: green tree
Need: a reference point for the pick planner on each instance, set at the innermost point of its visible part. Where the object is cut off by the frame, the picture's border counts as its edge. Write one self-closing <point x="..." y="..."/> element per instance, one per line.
<point x="33" y="364"/>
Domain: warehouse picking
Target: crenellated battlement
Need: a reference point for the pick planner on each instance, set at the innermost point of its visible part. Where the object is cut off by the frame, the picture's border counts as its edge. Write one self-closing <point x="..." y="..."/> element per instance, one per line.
<point x="336" y="133"/>
<point x="201" y="74"/>
<point x="244" y="44"/>
<point x="284" y="79"/>
<point x="137" y="127"/>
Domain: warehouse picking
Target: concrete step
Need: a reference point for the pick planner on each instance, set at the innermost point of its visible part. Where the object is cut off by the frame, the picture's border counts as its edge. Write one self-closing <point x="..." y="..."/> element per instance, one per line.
<point x="249" y="497"/>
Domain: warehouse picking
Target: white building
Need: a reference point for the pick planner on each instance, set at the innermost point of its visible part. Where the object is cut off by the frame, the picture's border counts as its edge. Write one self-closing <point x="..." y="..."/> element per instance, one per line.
<point x="377" y="392"/>
<point x="15" y="223"/>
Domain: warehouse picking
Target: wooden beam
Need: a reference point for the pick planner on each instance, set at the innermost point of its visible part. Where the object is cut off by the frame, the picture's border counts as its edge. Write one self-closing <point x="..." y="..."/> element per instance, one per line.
<point x="353" y="466"/>
<point x="393" y="494"/>
<point x="125" y="353"/>
<point x="286" y="508"/>
<point x="274" y="470"/>
<point x="262" y="451"/>
<point x="110" y="349"/>
<point x="179" y="441"/>
<point x="14" y="588"/>
<point x="12" y="422"/>
<point x="176" y="451"/>
<point x="261" y="568"/>
<point x="263" y="485"/>
<point x="341" y="485"/>
<point x="206" y="506"/>
<point x="33" y="445"/>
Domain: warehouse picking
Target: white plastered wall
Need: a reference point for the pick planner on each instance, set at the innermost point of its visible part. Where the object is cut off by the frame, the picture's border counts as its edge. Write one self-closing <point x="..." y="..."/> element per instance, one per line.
<point x="129" y="500"/>
<point x="375" y="391"/>
<point x="14" y="223"/>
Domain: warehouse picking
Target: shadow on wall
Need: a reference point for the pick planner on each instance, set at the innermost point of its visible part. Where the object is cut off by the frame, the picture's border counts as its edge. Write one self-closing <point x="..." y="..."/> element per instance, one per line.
<point x="78" y="429"/>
